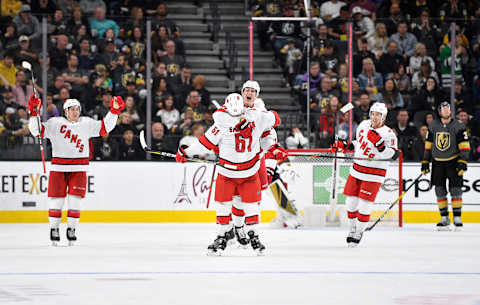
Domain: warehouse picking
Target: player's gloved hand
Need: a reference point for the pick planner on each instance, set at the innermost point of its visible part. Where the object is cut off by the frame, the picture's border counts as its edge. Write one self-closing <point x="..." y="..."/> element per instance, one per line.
<point x="341" y="146"/>
<point x="278" y="152"/>
<point x="425" y="167"/>
<point x="181" y="155"/>
<point x="34" y="105"/>
<point x="376" y="139"/>
<point x="461" y="167"/>
<point x="216" y="149"/>
<point x="244" y="128"/>
<point x="117" y="105"/>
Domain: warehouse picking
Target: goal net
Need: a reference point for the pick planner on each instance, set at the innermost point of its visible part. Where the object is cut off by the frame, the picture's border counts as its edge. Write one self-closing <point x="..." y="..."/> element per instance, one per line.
<point x="320" y="182"/>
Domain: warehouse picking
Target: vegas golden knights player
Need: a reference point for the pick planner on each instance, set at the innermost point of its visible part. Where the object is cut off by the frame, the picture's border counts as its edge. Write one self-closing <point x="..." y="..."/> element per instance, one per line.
<point x="447" y="147"/>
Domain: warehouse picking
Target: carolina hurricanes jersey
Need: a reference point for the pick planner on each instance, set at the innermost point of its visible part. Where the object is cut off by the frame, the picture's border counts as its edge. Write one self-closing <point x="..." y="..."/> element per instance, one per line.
<point x="70" y="140"/>
<point x="240" y="156"/>
<point x="374" y="171"/>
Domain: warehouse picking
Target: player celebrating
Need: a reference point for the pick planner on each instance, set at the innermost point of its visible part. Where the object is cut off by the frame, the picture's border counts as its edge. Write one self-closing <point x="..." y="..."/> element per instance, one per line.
<point x="70" y="151"/>
<point x="375" y="141"/>
<point x="447" y="143"/>
<point x="236" y="132"/>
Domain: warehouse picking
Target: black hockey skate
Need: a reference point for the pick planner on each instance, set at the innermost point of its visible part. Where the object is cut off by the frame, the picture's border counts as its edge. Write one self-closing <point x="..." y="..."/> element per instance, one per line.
<point x="241" y="237"/>
<point x="355" y="239"/>
<point x="257" y="246"/>
<point x="218" y="246"/>
<point x="350" y="237"/>
<point x="54" y="236"/>
<point x="444" y="224"/>
<point x="71" y="236"/>
<point x="457" y="222"/>
<point x="230" y="236"/>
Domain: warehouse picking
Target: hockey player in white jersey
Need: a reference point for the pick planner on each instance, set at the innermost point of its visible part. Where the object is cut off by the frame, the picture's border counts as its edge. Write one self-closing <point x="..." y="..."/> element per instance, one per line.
<point x="374" y="140"/>
<point x="236" y="132"/>
<point x="69" y="136"/>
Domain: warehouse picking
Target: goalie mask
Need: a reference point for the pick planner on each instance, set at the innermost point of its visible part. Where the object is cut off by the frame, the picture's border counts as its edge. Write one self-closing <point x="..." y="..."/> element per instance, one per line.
<point x="381" y="108"/>
<point x="234" y="104"/>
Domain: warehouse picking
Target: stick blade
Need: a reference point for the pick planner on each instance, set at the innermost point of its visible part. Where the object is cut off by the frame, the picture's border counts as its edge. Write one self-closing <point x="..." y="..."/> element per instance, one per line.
<point x="143" y="143"/>
<point x="346" y="108"/>
<point x="27" y="65"/>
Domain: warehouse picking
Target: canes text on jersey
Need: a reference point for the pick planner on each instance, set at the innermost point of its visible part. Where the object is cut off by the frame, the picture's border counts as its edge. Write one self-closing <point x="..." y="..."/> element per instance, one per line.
<point x="74" y="139"/>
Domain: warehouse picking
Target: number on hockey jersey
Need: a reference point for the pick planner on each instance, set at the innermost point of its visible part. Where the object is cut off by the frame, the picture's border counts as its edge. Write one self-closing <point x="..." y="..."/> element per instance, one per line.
<point x="240" y="143"/>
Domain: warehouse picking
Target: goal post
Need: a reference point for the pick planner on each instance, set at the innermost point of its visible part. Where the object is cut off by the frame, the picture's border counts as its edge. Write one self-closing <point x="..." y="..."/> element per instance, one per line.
<point x="317" y="177"/>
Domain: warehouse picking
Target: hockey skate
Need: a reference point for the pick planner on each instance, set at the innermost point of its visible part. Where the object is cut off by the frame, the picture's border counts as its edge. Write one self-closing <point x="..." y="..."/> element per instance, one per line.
<point x="350" y="236"/>
<point x="71" y="236"/>
<point x="54" y="236"/>
<point x="218" y="246"/>
<point x="354" y="239"/>
<point x="241" y="237"/>
<point x="444" y="224"/>
<point x="230" y="237"/>
<point x="257" y="246"/>
<point x="457" y="222"/>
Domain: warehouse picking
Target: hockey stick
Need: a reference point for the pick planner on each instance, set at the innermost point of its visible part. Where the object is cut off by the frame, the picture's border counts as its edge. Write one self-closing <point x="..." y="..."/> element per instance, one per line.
<point x="26" y="65"/>
<point x="211" y="185"/>
<point x="393" y="204"/>
<point x="293" y="154"/>
<point x="143" y="143"/>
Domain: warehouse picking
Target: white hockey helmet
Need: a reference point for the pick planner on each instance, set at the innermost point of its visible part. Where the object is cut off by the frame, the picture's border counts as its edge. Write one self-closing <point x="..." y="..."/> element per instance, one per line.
<point x="259" y="104"/>
<point x="381" y="108"/>
<point x="70" y="103"/>
<point x="251" y="84"/>
<point x="234" y="104"/>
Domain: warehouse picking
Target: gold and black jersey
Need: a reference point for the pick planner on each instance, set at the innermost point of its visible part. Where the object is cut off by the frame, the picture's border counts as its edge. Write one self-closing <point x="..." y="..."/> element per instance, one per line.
<point x="446" y="142"/>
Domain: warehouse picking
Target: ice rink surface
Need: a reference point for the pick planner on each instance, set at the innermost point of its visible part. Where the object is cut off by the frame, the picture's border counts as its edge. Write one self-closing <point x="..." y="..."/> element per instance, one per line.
<point x="145" y="264"/>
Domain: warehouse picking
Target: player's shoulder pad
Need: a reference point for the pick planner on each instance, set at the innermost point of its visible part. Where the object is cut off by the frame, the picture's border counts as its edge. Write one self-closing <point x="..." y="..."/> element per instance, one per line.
<point x="221" y="117"/>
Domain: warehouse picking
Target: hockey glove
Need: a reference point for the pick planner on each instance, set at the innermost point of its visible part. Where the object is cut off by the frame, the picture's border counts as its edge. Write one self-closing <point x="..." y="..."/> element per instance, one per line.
<point x="425" y="167"/>
<point x="342" y="146"/>
<point x="278" y="152"/>
<point x="117" y="105"/>
<point x="461" y="167"/>
<point x="376" y="140"/>
<point x="181" y="155"/>
<point x="34" y="105"/>
<point x="244" y="128"/>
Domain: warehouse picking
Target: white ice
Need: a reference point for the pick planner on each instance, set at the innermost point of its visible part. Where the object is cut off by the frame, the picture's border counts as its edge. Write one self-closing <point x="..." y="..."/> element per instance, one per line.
<point x="145" y="264"/>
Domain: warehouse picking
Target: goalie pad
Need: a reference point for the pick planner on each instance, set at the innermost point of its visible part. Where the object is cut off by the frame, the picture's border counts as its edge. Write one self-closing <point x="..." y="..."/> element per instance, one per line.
<point x="282" y="197"/>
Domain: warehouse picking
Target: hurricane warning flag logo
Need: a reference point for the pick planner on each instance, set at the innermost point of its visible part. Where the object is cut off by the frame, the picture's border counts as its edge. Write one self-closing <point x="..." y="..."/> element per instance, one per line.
<point x="442" y="140"/>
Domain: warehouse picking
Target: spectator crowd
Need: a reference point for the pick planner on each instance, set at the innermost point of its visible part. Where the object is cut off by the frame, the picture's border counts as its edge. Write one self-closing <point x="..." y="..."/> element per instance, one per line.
<point x="97" y="49"/>
<point x="401" y="57"/>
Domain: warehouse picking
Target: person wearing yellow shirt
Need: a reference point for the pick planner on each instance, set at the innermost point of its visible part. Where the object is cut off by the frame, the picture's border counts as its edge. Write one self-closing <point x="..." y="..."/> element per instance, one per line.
<point x="8" y="70"/>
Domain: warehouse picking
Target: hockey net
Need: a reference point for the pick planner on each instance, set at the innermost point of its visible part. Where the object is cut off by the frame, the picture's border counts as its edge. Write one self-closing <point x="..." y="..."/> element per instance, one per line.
<point x="320" y="182"/>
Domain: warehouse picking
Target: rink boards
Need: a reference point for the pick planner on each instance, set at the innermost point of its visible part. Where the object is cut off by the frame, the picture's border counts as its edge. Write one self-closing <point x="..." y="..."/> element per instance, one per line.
<point x="171" y="192"/>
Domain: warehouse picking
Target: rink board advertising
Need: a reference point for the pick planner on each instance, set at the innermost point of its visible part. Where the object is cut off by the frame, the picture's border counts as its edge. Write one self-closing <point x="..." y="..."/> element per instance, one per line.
<point x="171" y="192"/>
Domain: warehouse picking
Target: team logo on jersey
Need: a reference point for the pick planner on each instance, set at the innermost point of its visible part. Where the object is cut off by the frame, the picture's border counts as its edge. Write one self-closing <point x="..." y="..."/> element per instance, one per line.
<point x="442" y="140"/>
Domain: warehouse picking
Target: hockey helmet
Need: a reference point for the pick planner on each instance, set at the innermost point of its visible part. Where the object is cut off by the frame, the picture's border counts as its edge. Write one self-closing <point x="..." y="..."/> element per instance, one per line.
<point x="381" y="108"/>
<point x="234" y="104"/>
<point x="71" y="102"/>
<point x="251" y="84"/>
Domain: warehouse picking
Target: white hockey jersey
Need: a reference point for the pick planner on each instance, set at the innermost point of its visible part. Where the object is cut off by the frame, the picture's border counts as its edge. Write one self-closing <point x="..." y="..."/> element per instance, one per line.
<point x="70" y="140"/>
<point x="240" y="156"/>
<point x="372" y="170"/>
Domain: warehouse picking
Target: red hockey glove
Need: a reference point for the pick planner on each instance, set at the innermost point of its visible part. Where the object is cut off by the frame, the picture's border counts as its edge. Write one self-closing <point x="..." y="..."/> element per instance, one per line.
<point x="376" y="139"/>
<point x="244" y="128"/>
<point x="117" y="105"/>
<point x="216" y="149"/>
<point x="181" y="156"/>
<point x="34" y="105"/>
<point x="341" y="146"/>
<point x="278" y="152"/>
